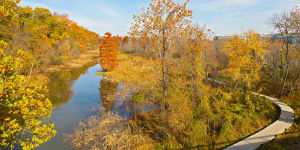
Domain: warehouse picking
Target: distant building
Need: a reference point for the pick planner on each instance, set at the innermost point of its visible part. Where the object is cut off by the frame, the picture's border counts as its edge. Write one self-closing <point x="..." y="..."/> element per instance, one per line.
<point x="294" y="39"/>
<point x="222" y="38"/>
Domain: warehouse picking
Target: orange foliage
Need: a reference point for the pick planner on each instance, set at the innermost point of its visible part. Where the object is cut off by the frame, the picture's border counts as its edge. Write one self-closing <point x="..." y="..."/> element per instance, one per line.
<point x="108" y="52"/>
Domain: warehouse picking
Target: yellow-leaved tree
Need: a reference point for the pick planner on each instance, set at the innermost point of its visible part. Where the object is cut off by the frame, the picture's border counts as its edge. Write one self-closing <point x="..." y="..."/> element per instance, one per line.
<point x="24" y="110"/>
<point x="246" y="58"/>
<point x="161" y="22"/>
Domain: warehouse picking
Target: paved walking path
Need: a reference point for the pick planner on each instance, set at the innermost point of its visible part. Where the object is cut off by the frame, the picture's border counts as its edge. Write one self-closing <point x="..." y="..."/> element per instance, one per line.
<point x="254" y="141"/>
<point x="286" y="119"/>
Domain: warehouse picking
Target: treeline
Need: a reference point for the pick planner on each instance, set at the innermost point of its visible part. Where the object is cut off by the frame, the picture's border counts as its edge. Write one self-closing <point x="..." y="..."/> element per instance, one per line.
<point x="279" y="57"/>
<point x="52" y="38"/>
<point x="276" y="56"/>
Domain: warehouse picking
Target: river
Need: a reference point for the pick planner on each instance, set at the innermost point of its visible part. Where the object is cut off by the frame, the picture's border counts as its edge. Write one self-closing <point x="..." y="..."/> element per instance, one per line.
<point x="76" y="95"/>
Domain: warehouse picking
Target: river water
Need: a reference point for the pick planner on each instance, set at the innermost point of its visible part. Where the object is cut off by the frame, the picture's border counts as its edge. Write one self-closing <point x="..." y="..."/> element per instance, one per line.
<point x="76" y="95"/>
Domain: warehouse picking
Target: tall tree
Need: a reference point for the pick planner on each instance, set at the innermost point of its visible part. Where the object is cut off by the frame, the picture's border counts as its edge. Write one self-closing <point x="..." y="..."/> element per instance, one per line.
<point x="246" y="58"/>
<point x="285" y="26"/>
<point x="108" y="52"/>
<point x="192" y="60"/>
<point x="161" y="22"/>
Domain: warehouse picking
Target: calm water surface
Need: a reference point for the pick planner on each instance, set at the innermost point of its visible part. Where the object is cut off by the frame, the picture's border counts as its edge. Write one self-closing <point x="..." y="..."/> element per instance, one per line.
<point x="78" y="94"/>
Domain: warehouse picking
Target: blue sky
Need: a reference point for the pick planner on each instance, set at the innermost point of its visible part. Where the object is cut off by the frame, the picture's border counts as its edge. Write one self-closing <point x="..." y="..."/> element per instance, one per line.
<point x="223" y="17"/>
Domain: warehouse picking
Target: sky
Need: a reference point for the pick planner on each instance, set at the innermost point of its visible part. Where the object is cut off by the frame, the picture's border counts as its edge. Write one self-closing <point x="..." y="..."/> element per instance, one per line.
<point x="223" y="17"/>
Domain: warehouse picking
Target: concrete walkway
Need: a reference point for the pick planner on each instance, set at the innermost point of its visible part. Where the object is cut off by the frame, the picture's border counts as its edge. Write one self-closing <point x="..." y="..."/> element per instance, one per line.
<point x="254" y="141"/>
<point x="286" y="119"/>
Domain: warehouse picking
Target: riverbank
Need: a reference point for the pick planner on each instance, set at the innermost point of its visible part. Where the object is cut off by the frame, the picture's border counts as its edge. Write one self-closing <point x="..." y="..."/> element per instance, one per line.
<point x="42" y="77"/>
<point x="68" y="106"/>
<point x="223" y="117"/>
<point x="134" y="69"/>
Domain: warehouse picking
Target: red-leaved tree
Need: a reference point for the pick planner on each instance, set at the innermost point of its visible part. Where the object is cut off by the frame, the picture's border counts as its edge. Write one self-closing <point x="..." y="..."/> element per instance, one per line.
<point x="108" y="52"/>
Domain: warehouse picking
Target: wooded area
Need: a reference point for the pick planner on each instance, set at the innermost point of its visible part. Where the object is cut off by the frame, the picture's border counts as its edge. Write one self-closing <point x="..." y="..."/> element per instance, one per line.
<point x="165" y="62"/>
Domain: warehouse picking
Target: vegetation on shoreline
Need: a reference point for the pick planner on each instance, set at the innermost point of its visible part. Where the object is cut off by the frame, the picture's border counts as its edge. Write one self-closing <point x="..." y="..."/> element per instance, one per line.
<point x="51" y="38"/>
<point x="84" y="58"/>
<point x="33" y="43"/>
<point x="224" y="116"/>
<point x="25" y="111"/>
<point x="165" y="63"/>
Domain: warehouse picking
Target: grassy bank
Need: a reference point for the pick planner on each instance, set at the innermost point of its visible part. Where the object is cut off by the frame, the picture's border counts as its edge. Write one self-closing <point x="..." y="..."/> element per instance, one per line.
<point x="42" y="76"/>
<point x="222" y="117"/>
<point x="134" y="69"/>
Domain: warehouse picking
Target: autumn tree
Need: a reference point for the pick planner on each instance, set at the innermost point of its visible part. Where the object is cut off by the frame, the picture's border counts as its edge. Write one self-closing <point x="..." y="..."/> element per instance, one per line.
<point x="195" y="44"/>
<point x="24" y="110"/>
<point x="7" y="7"/>
<point x="7" y="13"/>
<point x="108" y="52"/>
<point x="287" y="25"/>
<point x="246" y="58"/>
<point x="161" y="22"/>
<point x="52" y="37"/>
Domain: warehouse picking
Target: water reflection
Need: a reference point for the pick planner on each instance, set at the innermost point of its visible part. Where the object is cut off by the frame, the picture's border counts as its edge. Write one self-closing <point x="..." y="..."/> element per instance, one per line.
<point x="75" y="94"/>
<point x="112" y="100"/>
<point x="107" y="91"/>
<point x="61" y="82"/>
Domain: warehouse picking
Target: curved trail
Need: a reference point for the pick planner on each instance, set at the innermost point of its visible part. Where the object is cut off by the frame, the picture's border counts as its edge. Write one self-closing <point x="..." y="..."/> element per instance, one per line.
<point x="286" y="119"/>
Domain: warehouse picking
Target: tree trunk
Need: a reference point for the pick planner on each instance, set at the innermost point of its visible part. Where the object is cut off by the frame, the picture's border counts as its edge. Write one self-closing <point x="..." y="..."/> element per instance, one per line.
<point x="287" y="66"/>
<point x="164" y="70"/>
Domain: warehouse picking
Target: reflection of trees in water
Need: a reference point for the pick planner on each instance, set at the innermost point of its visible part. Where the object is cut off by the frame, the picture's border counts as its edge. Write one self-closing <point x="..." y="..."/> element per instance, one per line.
<point x="61" y="82"/>
<point x="120" y="99"/>
<point x="107" y="91"/>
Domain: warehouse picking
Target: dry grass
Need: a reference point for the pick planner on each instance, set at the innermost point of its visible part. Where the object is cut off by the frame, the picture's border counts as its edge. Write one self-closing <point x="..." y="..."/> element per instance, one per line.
<point x="137" y="74"/>
<point x="80" y="61"/>
<point x="135" y="69"/>
<point x="108" y="132"/>
<point x="83" y="59"/>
